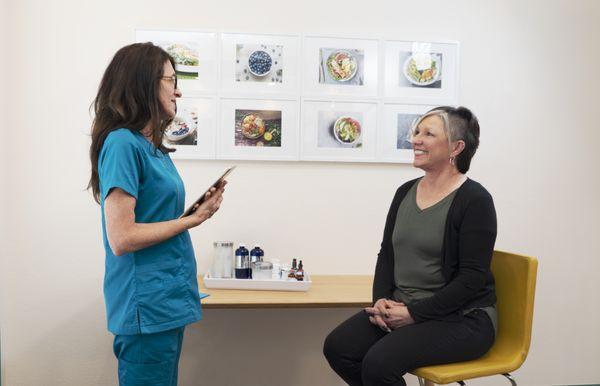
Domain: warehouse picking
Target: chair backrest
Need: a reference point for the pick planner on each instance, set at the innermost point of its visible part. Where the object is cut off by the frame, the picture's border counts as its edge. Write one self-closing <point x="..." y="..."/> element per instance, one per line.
<point x="515" y="277"/>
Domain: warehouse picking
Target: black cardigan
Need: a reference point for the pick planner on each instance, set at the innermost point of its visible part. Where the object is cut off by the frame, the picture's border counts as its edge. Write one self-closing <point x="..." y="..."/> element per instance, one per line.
<point x="466" y="255"/>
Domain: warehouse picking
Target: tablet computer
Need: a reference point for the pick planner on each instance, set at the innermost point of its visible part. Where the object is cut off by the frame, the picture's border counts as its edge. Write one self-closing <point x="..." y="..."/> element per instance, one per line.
<point x="191" y="209"/>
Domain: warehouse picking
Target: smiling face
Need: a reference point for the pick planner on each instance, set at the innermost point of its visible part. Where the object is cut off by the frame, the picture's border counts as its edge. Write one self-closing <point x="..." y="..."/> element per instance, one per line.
<point x="430" y="144"/>
<point x="168" y="92"/>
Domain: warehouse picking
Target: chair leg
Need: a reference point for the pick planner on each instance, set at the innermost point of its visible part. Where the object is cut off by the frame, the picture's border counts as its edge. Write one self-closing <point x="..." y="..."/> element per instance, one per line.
<point x="425" y="382"/>
<point x="511" y="379"/>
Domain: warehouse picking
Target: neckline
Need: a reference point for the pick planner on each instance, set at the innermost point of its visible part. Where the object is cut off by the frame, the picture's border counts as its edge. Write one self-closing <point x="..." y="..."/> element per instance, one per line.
<point x="437" y="203"/>
<point x="148" y="144"/>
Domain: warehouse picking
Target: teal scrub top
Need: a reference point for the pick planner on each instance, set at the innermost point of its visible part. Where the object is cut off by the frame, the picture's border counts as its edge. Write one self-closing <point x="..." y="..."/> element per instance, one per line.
<point x="156" y="288"/>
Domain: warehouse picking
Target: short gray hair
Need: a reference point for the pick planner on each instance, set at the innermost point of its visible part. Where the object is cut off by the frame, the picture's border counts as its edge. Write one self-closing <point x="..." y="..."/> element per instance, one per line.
<point x="460" y="124"/>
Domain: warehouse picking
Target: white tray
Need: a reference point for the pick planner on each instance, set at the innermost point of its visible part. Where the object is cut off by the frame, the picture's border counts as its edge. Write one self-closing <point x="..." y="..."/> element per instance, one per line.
<point x="258" y="285"/>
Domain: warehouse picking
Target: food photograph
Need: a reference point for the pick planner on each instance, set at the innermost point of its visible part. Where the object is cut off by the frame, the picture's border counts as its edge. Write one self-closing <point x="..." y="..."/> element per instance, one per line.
<point x="184" y="128"/>
<point x="420" y="69"/>
<point x="339" y="129"/>
<point x="258" y="128"/>
<point x="187" y="58"/>
<point x="404" y="123"/>
<point x="259" y="63"/>
<point x="340" y="66"/>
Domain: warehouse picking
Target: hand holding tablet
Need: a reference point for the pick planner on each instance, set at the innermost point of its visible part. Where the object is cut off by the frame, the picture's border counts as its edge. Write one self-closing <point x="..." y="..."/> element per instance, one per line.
<point x="218" y="184"/>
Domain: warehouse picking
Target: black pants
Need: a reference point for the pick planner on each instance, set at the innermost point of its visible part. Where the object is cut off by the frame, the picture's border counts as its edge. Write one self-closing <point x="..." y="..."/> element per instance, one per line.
<point x="362" y="354"/>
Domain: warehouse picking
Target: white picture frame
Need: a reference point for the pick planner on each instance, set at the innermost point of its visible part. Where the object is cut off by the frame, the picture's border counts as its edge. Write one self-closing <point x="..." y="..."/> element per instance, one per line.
<point x="324" y="121"/>
<point x="238" y="51"/>
<point x="200" y="47"/>
<point x="291" y="79"/>
<point x="199" y="115"/>
<point x="278" y="117"/>
<point x="318" y="79"/>
<point x="393" y="143"/>
<point x="441" y="88"/>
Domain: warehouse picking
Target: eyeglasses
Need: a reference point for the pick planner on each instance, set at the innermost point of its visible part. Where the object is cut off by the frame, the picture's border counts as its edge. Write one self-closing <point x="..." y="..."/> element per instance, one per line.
<point x="172" y="79"/>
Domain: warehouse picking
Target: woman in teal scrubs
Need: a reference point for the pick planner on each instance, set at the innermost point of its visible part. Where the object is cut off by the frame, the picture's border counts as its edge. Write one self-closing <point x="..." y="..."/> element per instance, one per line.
<point x="150" y="285"/>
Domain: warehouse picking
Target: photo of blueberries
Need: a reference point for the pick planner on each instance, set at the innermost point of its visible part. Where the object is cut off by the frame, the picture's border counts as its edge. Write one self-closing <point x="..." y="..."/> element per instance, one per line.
<point x="259" y="63"/>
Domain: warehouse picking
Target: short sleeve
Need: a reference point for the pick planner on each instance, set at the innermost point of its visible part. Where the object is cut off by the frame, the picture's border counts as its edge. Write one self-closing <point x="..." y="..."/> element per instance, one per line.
<point x="119" y="164"/>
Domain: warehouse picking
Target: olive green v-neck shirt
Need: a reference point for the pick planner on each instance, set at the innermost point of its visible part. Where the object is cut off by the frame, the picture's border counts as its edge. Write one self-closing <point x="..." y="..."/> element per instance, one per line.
<point x="418" y="239"/>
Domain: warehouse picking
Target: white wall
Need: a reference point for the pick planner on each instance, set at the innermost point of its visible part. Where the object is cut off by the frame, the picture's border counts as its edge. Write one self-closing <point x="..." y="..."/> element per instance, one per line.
<point x="3" y="112"/>
<point x="528" y="70"/>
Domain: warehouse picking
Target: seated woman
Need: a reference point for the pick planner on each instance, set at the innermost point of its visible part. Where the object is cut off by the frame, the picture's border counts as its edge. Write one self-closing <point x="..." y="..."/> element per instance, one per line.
<point x="433" y="292"/>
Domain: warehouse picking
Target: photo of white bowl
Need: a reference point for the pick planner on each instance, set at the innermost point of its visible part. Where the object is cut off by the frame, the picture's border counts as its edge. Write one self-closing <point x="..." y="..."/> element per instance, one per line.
<point x="259" y="63"/>
<point x="342" y="65"/>
<point x="180" y="128"/>
<point x="186" y="68"/>
<point x="186" y="58"/>
<point x="422" y="70"/>
<point x="347" y="130"/>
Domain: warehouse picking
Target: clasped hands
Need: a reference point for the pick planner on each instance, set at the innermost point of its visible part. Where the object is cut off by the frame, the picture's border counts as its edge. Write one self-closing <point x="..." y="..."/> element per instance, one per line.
<point x="389" y="315"/>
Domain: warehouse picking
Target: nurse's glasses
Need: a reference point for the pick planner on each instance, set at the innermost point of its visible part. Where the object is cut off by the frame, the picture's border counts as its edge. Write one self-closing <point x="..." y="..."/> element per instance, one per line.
<point x="172" y="79"/>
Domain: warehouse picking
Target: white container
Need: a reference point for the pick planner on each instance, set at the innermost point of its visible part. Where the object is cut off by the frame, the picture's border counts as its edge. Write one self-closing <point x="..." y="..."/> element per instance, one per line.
<point x="261" y="270"/>
<point x="258" y="285"/>
<point x="222" y="266"/>
<point x="276" y="272"/>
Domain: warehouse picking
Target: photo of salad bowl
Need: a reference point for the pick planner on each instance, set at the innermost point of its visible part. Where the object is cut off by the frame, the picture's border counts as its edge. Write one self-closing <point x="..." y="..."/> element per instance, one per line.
<point x="259" y="63"/>
<point x="253" y="126"/>
<point x="342" y="65"/>
<point x="422" y="69"/>
<point x="186" y="59"/>
<point x="347" y="130"/>
<point x="180" y="128"/>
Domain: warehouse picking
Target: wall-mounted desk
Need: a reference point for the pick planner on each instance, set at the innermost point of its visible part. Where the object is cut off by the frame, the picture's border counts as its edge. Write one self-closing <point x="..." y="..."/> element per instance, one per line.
<point x="326" y="291"/>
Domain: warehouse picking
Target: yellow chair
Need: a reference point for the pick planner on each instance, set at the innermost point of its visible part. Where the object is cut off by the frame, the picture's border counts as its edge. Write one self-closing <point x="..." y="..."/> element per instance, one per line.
<point x="515" y="277"/>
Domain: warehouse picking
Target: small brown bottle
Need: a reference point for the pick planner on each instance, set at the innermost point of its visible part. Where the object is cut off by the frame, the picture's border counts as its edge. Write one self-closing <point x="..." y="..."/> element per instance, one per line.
<point x="300" y="272"/>
<point x="292" y="274"/>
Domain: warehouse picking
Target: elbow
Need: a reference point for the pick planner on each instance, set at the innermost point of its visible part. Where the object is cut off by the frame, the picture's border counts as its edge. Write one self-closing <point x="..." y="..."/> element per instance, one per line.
<point x="119" y="246"/>
<point x="117" y="249"/>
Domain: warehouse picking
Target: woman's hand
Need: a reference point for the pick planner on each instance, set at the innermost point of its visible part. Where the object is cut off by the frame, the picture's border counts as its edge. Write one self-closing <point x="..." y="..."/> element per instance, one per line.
<point x="210" y="205"/>
<point x="389" y="315"/>
<point x="397" y="315"/>
<point x="377" y="314"/>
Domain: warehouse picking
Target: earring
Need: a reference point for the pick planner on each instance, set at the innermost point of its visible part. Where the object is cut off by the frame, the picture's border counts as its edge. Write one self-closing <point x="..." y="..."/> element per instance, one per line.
<point x="452" y="161"/>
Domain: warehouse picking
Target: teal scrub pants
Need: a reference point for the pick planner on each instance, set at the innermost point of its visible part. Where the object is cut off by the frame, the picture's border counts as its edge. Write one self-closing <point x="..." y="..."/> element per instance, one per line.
<point x="149" y="359"/>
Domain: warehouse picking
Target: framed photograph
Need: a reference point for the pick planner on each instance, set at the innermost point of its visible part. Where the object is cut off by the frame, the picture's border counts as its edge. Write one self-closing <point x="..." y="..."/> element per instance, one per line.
<point x="192" y="132"/>
<point x="338" y="131"/>
<point x="195" y="55"/>
<point x="258" y="130"/>
<point x="259" y="63"/>
<point x="393" y="144"/>
<point x="421" y="72"/>
<point x="340" y="66"/>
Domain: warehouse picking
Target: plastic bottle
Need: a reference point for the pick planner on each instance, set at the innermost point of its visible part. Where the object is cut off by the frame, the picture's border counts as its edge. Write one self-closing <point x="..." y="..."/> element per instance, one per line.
<point x="256" y="254"/>
<point x="242" y="262"/>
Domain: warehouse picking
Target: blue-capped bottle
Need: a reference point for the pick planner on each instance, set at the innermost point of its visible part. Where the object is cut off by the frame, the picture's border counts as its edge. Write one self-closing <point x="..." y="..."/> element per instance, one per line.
<point x="256" y="254"/>
<point x="242" y="262"/>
